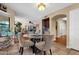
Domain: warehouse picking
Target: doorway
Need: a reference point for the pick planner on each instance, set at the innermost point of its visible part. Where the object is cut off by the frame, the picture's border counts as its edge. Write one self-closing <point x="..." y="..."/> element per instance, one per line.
<point x="61" y="29"/>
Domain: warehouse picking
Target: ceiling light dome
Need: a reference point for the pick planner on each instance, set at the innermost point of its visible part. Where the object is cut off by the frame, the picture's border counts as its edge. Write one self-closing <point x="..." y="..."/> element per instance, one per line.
<point x="41" y="6"/>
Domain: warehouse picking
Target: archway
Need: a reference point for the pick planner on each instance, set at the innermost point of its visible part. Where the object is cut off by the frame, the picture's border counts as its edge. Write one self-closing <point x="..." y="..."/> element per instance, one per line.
<point x="60" y="28"/>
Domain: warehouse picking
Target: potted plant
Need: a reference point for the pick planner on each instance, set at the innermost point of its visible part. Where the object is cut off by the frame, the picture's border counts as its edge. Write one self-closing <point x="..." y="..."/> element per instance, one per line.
<point x="18" y="26"/>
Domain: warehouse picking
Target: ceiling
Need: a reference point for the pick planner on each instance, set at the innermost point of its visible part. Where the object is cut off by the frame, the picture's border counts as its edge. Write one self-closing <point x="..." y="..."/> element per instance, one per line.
<point x="30" y="10"/>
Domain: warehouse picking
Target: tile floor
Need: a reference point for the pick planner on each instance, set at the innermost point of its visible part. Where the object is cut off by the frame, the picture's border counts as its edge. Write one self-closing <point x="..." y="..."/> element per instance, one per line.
<point x="57" y="49"/>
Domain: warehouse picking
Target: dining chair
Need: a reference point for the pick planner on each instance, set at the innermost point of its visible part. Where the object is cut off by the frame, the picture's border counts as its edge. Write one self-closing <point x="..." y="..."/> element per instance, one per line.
<point x="47" y="45"/>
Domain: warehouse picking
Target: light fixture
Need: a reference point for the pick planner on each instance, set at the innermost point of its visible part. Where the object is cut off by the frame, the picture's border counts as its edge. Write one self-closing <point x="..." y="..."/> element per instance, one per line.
<point x="41" y="7"/>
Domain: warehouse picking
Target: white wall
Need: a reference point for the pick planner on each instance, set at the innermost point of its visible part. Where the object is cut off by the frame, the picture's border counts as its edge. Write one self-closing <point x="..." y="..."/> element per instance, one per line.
<point x="52" y="27"/>
<point x="74" y="29"/>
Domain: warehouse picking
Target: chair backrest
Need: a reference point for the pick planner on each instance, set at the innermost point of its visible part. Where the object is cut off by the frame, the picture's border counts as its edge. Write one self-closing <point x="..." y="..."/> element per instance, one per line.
<point x="48" y="40"/>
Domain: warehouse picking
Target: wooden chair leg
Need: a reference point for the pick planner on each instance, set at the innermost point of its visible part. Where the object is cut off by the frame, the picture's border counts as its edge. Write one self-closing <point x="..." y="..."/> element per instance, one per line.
<point x="50" y="52"/>
<point x="21" y="51"/>
<point x="44" y="52"/>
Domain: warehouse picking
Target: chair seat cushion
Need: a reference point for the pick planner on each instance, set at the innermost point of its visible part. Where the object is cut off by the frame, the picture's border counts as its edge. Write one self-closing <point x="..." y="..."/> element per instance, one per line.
<point x="28" y="43"/>
<point x="40" y="45"/>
